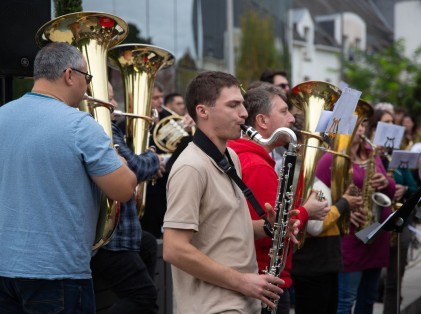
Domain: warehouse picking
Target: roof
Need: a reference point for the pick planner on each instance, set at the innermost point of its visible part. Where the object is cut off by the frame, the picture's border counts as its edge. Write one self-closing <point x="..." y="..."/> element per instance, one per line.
<point x="379" y="34"/>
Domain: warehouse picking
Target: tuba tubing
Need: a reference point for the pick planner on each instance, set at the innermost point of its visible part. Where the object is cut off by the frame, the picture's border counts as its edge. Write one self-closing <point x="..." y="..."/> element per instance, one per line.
<point x="93" y="33"/>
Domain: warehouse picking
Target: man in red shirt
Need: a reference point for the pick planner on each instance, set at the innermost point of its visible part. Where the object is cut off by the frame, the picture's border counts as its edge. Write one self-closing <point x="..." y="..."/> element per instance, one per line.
<point x="267" y="111"/>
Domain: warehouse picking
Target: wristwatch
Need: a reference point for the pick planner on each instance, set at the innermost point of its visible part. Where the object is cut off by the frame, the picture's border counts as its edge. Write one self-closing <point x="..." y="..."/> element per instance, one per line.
<point x="267" y="228"/>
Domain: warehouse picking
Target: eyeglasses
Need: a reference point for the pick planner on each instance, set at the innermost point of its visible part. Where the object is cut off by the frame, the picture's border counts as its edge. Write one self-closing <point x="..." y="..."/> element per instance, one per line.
<point x="283" y="85"/>
<point x="88" y="77"/>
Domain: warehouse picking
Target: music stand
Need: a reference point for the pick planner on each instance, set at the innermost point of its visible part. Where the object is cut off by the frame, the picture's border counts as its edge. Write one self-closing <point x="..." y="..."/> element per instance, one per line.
<point x="395" y="223"/>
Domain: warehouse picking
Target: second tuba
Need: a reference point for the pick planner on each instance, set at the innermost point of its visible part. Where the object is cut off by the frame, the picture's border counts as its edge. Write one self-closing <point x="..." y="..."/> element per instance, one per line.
<point x="139" y="64"/>
<point x="311" y="98"/>
<point x="341" y="173"/>
<point x="93" y="33"/>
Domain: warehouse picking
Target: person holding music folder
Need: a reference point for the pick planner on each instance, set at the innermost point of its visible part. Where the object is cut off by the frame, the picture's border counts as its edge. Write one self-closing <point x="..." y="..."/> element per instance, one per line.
<point x="208" y="233"/>
<point x="119" y="265"/>
<point x="55" y="162"/>
<point x="267" y="111"/>
<point x="362" y="263"/>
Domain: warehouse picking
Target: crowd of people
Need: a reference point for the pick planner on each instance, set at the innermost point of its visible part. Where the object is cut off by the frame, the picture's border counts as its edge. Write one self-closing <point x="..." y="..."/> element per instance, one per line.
<point x="214" y="201"/>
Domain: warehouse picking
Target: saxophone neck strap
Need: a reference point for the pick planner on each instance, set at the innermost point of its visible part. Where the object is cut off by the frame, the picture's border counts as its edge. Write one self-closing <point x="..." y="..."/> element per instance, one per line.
<point x="226" y="164"/>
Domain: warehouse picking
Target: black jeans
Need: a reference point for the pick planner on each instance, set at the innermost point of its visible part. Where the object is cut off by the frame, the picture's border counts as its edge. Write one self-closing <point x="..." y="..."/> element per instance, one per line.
<point x="316" y="294"/>
<point x="127" y="276"/>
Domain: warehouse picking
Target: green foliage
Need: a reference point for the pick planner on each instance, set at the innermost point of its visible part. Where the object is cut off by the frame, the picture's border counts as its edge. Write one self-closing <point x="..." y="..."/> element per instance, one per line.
<point x="186" y="70"/>
<point x="386" y="76"/>
<point x="257" y="49"/>
<point x="135" y="37"/>
<point x="63" y="7"/>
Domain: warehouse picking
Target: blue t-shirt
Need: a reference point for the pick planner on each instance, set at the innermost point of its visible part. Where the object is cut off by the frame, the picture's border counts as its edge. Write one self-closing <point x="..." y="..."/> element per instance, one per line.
<point x="48" y="203"/>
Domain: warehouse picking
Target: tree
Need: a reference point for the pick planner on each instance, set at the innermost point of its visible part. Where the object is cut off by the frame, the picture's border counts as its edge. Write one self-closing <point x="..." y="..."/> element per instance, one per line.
<point x="135" y="37"/>
<point x="257" y="48"/>
<point x="186" y="70"/>
<point x="67" y="6"/>
<point x="386" y="76"/>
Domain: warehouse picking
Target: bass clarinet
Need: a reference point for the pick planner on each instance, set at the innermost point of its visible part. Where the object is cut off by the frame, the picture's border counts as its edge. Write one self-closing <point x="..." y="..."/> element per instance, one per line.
<point x="285" y="198"/>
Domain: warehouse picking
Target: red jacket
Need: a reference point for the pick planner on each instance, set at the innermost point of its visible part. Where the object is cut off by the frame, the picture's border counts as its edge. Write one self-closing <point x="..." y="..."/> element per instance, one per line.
<point x="258" y="171"/>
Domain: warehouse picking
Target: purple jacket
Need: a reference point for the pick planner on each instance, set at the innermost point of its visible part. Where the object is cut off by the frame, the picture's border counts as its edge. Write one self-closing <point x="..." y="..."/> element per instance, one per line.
<point x="356" y="255"/>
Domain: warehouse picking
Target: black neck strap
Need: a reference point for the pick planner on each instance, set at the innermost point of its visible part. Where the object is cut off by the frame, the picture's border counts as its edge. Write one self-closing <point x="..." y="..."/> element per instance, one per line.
<point x="226" y="164"/>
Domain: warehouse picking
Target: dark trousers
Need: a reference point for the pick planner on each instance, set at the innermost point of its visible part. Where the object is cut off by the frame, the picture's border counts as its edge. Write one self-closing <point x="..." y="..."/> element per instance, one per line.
<point x="148" y="252"/>
<point x="67" y="296"/>
<point x="155" y="207"/>
<point x="316" y="294"/>
<point x="390" y="282"/>
<point x="125" y="273"/>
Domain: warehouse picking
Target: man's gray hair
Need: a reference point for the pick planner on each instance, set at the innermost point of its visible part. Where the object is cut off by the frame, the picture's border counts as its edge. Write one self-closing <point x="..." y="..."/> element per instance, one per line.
<point x="52" y="60"/>
<point x="259" y="100"/>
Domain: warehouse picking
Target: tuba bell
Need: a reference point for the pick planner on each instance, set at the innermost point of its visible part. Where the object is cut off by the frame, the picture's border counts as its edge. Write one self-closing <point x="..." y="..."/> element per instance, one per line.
<point x="311" y="98"/>
<point x="139" y="64"/>
<point x="93" y="33"/>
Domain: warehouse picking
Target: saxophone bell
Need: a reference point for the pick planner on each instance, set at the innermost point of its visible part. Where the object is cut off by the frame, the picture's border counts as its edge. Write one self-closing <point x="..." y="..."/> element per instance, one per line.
<point x="380" y="201"/>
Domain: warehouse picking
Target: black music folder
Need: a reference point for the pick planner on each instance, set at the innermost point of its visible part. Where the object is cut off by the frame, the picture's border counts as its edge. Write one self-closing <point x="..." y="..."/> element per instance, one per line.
<point x="394" y="222"/>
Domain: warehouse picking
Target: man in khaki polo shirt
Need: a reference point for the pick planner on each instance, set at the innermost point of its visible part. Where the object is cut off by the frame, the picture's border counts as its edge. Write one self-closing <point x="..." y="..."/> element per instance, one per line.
<point x="208" y="233"/>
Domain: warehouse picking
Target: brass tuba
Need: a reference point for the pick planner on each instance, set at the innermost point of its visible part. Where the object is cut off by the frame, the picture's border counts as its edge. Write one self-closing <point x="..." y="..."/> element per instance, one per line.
<point x="311" y="98"/>
<point x="93" y="33"/>
<point x="341" y="173"/>
<point x="139" y="64"/>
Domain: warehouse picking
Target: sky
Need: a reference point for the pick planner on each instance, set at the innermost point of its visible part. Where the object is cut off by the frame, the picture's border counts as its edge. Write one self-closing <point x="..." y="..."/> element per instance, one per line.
<point x="168" y="22"/>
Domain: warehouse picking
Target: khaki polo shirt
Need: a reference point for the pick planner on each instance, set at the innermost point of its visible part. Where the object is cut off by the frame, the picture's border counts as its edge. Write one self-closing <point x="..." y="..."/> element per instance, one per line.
<point x="201" y="197"/>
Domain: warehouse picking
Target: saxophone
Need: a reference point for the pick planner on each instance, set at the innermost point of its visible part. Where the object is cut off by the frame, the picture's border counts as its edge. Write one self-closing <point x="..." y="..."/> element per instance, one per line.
<point x="373" y="202"/>
<point x="285" y="198"/>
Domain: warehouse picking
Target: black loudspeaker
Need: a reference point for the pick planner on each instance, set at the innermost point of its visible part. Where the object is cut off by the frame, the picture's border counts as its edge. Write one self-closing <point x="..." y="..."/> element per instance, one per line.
<point x="19" y="22"/>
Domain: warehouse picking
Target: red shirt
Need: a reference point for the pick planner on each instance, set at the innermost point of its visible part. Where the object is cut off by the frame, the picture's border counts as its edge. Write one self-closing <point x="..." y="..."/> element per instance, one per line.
<point x="258" y="171"/>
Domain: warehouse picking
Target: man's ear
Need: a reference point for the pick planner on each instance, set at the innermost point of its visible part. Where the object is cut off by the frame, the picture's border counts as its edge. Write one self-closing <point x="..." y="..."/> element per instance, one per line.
<point x="202" y="111"/>
<point x="68" y="76"/>
<point x="261" y="121"/>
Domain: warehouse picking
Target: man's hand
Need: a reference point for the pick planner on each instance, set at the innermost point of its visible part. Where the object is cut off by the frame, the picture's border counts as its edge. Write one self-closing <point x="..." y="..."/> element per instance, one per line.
<point x="317" y="210"/>
<point x="271" y="213"/>
<point x="262" y="287"/>
<point x="293" y="223"/>
<point x="161" y="169"/>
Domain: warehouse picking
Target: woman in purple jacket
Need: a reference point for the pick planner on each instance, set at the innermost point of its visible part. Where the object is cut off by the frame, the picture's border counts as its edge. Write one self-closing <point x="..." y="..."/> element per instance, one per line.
<point x="362" y="262"/>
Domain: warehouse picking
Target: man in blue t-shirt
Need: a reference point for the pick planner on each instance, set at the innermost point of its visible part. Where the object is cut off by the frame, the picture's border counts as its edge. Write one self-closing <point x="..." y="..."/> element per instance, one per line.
<point x="55" y="161"/>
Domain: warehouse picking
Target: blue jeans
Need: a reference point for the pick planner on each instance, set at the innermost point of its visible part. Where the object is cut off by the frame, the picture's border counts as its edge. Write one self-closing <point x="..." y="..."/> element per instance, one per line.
<point x="20" y="295"/>
<point x="359" y="287"/>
